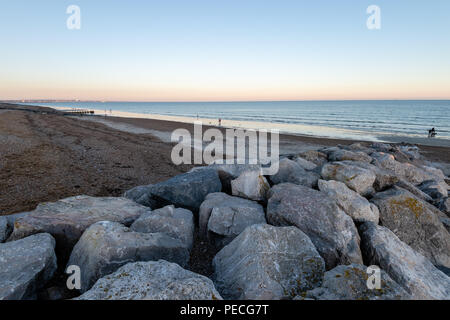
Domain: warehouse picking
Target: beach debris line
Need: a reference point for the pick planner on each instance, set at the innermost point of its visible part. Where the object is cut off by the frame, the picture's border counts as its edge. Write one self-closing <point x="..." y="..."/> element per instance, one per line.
<point x="369" y="207"/>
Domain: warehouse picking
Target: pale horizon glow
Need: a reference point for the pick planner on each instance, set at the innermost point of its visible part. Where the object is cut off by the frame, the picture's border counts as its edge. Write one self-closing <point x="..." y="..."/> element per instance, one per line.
<point x="201" y="50"/>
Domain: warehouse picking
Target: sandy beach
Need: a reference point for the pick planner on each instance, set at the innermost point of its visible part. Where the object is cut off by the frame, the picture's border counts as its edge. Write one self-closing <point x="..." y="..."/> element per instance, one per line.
<point x="47" y="156"/>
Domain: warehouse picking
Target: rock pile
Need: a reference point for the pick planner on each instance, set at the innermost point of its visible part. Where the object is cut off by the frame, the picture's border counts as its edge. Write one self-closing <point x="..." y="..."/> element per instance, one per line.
<point x="308" y="232"/>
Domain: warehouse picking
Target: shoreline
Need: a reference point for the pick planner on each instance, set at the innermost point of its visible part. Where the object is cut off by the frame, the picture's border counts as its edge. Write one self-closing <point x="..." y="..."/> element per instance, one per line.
<point x="304" y="131"/>
<point x="160" y="127"/>
<point x="289" y="143"/>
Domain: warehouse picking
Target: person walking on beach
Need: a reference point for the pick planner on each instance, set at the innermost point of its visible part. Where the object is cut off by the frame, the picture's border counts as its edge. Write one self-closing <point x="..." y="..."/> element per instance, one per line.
<point x="220" y="122"/>
<point x="431" y="133"/>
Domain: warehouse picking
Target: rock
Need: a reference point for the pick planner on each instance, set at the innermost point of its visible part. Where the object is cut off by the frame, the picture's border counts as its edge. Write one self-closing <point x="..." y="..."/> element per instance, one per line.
<point x="384" y="179"/>
<point x="404" y="171"/>
<point x="446" y="222"/>
<point x="291" y="171"/>
<point x="435" y="173"/>
<point x="342" y="155"/>
<point x="314" y="156"/>
<point x="226" y="223"/>
<point x="268" y="263"/>
<point x="229" y="172"/>
<point x="414" y="190"/>
<point x="329" y="150"/>
<point x="401" y="157"/>
<point x="177" y="223"/>
<point x="152" y="280"/>
<point x="381" y="147"/>
<point x="435" y="189"/>
<point x="11" y="219"/>
<point x="67" y="219"/>
<point x="222" y="200"/>
<point x="187" y="190"/>
<point x="26" y="266"/>
<point x="305" y="164"/>
<point x="415" y="273"/>
<point x="350" y="283"/>
<point x="141" y="195"/>
<point x="444" y="167"/>
<point x="415" y="223"/>
<point x="358" y="146"/>
<point x="356" y="178"/>
<point x="105" y="246"/>
<point x="412" y="151"/>
<point x="250" y="185"/>
<point x="331" y="230"/>
<point x="351" y="202"/>
<point x="4" y="229"/>
<point x="444" y="206"/>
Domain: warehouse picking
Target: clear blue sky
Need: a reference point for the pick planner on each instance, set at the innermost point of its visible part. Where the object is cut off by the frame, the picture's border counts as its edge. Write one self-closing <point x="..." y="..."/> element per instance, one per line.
<point x="225" y="50"/>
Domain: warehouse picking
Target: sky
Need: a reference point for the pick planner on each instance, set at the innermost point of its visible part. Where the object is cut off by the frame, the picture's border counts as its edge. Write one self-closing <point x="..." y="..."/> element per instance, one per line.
<point x="224" y="50"/>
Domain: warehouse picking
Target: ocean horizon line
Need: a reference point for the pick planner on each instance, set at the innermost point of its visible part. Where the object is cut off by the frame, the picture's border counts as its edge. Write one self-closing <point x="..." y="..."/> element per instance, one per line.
<point x="209" y="101"/>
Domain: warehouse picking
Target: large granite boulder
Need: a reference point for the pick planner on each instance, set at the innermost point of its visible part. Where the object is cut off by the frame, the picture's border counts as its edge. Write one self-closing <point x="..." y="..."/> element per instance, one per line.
<point x="357" y="207"/>
<point x="330" y="229"/>
<point x="177" y="223"/>
<point x="141" y="195"/>
<point x="381" y="147"/>
<point x="105" y="246"/>
<point x="415" y="273"/>
<point x="26" y="265"/>
<point x="268" y="263"/>
<point x="435" y="173"/>
<point x="406" y="171"/>
<point x="305" y="164"/>
<point x="359" y="146"/>
<point x="250" y="185"/>
<point x="342" y="155"/>
<point x="67" y="219"/>
<point x="153" y="280"/>
<point x="384" y="178"/>
<point x="314" y="156"/>
<point x="226" y="223"/>
<point x="4" y="229"/>
<point x="231" y="204"/>
<point x="356" y="178"/>
<point x="229" y="172"/>
<point x="350" y="283"/>
<point x="413" y="152"/>
<point x="415" y="223"/>
<point x="443" y="166"/>
<point x="187" y="190"/>
<point x="414" y="190"/>
<point x="444" y="206"/>
<point x="291" y="171"/>
<point x="435" y="189"/>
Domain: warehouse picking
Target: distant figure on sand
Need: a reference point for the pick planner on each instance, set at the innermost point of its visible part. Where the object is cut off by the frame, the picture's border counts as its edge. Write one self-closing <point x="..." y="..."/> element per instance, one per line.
<point x="220" y="122"/>
<point x="431" y="133"/>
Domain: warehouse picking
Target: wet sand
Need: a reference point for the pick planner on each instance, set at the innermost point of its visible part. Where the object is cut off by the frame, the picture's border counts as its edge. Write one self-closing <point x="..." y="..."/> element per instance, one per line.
<point x="288" y="143"/>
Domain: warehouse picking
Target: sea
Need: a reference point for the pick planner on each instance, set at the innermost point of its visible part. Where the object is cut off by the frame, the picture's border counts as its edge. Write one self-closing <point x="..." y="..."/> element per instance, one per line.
<point x="375" y="120"/>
